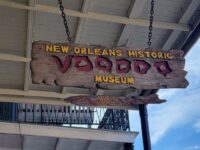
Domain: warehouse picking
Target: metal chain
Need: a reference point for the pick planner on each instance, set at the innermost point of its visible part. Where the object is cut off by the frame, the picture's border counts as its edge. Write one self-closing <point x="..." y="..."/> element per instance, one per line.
<point x="150" y="24"/>
<point x="64" y="20"/>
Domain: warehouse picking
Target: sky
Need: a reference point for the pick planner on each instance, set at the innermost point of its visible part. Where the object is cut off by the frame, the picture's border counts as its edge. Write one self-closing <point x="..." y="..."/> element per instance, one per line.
<point x="175" y="125"/>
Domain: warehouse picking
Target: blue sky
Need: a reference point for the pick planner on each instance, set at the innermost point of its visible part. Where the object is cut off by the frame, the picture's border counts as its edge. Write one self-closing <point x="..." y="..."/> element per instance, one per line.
<point x="175" y="125"/>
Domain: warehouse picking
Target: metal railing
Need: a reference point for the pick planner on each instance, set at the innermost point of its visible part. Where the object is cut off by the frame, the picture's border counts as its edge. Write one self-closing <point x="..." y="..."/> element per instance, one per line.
<point x="74" y="116"/>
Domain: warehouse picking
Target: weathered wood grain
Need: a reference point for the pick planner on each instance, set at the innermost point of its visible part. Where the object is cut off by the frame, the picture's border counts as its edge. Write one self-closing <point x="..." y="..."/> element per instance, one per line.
<point x="51" y="68"/>
<point x="103" y="101"/>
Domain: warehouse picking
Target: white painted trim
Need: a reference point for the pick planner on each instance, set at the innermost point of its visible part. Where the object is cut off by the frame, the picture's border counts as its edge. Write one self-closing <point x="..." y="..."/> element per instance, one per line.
<point x="33" y="100"/>
<point x="64" y="132"/>
<point x="98" y="16"/>
<point x="2" y="148"/>
<point x="9" y="57"/>
<point x="35" y="93"/>
<point x="100" y="92"/>
<point x="81" y="23"/>
<point x="29" y="40"/>
<point x="49" y="101"/>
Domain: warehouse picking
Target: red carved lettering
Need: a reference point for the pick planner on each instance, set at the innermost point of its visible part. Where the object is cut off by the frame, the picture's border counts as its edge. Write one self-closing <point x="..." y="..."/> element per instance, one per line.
<point x="103" y="63"/>
<point x="141" y="66"/>
<point x="123" y="66"/>
<point x="83" y="63"/>
<point x="163" y="67"/>
<point x="63" y="67"/>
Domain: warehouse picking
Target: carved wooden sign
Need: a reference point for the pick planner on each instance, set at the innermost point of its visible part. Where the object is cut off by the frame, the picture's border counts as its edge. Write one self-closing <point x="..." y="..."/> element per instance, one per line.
<point x="92" y="66"/>
<point x="104" y="101"/>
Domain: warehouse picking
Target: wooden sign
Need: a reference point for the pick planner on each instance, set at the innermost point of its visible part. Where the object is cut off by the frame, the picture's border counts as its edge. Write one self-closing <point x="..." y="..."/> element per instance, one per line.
<point x="104" y="101"/>
<point x="91" y="66"/>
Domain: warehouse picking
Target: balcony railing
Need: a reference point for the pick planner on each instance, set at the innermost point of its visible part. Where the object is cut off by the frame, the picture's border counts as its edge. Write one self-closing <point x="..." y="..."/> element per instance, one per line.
<point x="74" y="116"/>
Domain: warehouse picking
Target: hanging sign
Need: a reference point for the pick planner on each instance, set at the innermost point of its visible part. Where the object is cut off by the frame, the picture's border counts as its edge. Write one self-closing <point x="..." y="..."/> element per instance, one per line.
<point x="113" y="101"/>
<point x="91" y="66"/>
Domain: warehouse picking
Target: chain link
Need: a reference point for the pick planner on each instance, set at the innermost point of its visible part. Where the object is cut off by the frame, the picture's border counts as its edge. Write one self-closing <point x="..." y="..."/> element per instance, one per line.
<point x="150" y="24"/>
<point x="64" y="20"/>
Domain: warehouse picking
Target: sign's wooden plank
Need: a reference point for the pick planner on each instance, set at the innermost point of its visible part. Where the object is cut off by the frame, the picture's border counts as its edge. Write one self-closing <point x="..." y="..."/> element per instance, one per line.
<point x="104" y="101"/>
<point x="92" y="66"/>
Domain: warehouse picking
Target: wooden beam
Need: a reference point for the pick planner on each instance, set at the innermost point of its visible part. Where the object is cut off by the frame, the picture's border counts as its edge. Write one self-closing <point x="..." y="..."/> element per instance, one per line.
<point x="48" y="101"/>
<point x="126" y="92"/>
<point x="29" y="41"/>
<point x="184" y="20"/>
<point x="100" y="92"/>
<point x="16" y="58"/>
<point x="81" y="90"/>
<point x="135" y="10"/>
<point x="36" y="93"/>
<point x="98" y="16"/>
<point x="32" y="100"/>
<point x="64" y="132"/>
<point x="81" y="23"/>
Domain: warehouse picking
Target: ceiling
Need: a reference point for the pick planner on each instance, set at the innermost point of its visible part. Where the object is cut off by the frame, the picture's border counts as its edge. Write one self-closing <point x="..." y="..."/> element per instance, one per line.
<point x="13" y="142"/>
<point x="102" y="22"/>
<point x="18" y="136"/>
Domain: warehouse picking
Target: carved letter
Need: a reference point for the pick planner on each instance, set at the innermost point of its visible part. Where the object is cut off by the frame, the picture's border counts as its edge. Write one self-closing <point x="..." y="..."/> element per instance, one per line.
<point x="103" y="63"/>
<point x="163" y="67"/>
<point x="123" y="66"/>
<point x="141" y="66"/>
<point x="87" y="66"/>
<point x="63" y="67"/>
